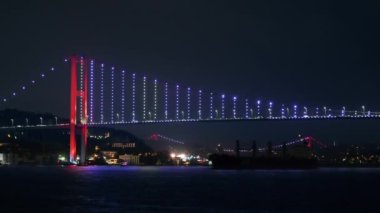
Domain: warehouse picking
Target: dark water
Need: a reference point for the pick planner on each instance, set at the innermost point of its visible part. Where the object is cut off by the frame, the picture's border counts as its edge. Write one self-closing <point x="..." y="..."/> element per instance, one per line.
<point x="184" y="189"/>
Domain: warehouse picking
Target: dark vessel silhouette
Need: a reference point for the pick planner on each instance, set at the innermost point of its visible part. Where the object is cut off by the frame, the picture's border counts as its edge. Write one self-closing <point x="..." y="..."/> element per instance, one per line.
<point x="268" y="161"/>
<point x="223" y="161"/>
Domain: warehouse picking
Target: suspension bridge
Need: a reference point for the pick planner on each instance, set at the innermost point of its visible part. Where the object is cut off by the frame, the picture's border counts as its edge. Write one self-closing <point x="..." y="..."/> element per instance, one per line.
<point x="105" y="95"/>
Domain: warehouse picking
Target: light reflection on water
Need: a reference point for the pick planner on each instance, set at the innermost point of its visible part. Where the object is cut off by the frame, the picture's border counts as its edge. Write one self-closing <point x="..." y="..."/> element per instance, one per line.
<point x="120" y="189"/>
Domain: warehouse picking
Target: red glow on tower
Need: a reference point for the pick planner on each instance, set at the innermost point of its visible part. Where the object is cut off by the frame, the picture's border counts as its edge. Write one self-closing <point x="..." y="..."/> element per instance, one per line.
<point x="82" y="94"/>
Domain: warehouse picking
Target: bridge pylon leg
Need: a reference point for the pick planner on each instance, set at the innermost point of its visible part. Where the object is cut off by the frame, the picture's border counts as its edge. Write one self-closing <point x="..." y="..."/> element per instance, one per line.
<point x="73" y="110"/>
<point x="82" y="94"/>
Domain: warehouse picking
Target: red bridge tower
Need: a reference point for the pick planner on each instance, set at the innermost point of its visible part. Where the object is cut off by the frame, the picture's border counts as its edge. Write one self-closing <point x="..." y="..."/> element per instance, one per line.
<point x="81" y="93"/>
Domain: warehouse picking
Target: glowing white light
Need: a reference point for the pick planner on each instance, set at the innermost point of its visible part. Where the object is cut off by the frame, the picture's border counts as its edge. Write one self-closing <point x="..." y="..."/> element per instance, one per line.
<point x="123" y="95"/>
<point x="363" y="108"/>
<point x="144" y="97"/>
<point x="234" y="107"/>
<point x="4" y="100"/>
<point x="246" y="109"/>
<point x="270" y="109"/>
<point x="102" y="93"/>
<point x="166" y="101"/>
<point x="211" y="106"/>
<point x="258" y="108"/>
<point x="42" y="75"/>
<point x="325" y="110"/>
<point x="317" y="111"/>
<point x="155" y="100"/>
<point x="133" y="97"/>
<point x="223" y="96"/>
<point x="188" y="102"/>
<point x="33" y="81"/>
<point x="177" y="102"/>
<point x="305" y="111"/>
<point x="343" y="111"/>
<point x="23" y="88"/>
<point x="282" y="111"/>
<point x="52" y="69"/>
<point x="295" y="111"/>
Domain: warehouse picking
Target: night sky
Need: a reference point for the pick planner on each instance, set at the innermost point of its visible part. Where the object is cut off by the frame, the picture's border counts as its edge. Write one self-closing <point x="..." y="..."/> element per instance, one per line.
<point x="309" y="52"/>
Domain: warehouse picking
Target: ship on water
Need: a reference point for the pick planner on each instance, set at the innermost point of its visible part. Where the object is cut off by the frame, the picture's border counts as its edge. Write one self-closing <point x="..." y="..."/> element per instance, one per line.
<point x="271" y="157"/>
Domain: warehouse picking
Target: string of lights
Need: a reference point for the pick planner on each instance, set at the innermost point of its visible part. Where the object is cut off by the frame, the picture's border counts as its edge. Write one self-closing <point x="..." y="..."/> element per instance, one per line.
<point x="177" y="102"/>
<point x="81" y="86"/>
<point x="133" y="97"/>
<point x="123" y="95"/>
<point x="25" y="87"/>
<point x="112" y="93"/>
<point x="144" y="98"/>
<point x="188" y="103"/>
<point x="166" y="101"/>
<point x="211" y="105"/>
<point x="91" y="91"/>
<point x="155" y="100"/>
<point x="200" y="104"/>
<point x="102" y="93"/>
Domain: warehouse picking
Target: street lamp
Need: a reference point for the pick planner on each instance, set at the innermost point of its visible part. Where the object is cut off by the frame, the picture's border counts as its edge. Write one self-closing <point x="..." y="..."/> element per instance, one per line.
<point x="363" y="108"/>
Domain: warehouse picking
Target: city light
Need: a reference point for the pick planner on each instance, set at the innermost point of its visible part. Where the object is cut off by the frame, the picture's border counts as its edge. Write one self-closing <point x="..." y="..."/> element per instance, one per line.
<point x="295" y="111"/>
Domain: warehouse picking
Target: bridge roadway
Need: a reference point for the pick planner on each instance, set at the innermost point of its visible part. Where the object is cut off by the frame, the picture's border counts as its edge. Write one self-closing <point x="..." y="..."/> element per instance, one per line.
<point x="66" y="125"/>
